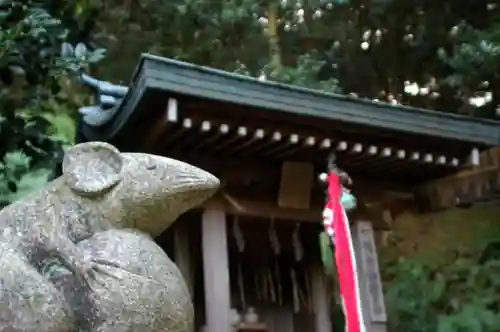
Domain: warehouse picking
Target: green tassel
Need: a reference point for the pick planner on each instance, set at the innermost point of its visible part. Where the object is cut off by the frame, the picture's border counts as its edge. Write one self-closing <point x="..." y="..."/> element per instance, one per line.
<point x="348" y="201"/>
<point x="326" y="253"/>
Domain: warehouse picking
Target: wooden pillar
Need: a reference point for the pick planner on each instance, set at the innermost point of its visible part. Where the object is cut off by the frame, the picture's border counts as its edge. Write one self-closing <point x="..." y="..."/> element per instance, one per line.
<point x="372" y="297"/>
<point x="321" y="302"/>
<point x="216" y="271"/>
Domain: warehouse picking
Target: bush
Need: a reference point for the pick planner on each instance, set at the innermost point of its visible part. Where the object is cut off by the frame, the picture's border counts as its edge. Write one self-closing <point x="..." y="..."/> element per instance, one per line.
<point x="461" y="297"/>
<point x="32" y="67"/>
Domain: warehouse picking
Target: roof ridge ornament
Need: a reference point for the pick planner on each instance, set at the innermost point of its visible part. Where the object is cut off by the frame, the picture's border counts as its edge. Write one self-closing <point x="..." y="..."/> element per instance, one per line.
<point x="109" y="97"/>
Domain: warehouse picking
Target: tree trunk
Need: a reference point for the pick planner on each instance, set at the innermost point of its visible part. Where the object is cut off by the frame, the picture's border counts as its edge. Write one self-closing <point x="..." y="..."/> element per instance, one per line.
<point x="272" y="33"/>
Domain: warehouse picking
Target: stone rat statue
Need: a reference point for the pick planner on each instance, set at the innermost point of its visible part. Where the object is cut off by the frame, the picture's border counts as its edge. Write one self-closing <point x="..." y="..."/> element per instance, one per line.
<point x="70" y="221"/>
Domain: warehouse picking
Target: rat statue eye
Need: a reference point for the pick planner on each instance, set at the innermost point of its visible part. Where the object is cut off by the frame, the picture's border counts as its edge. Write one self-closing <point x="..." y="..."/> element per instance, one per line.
<point x="151" y="167"/>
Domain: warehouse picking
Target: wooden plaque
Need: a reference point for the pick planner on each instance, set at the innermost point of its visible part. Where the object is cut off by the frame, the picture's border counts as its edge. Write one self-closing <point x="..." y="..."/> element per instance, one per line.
<point x="296" y="183"/>
<point x="371" y="272"/>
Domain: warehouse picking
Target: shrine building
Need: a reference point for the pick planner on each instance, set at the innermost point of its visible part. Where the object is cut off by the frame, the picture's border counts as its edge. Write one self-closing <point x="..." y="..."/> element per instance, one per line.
<point x="251" y="253"/>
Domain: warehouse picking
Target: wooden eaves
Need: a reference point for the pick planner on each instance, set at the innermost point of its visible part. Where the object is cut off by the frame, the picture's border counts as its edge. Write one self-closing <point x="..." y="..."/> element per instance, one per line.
<point x="216" y="110"/>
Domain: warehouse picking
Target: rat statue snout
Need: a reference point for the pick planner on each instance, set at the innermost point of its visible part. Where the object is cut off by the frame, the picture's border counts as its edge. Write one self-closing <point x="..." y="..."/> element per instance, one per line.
<point x="162" y="189"/>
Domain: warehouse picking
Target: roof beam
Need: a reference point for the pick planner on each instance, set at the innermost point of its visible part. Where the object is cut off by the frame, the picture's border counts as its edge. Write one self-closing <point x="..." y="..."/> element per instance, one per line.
<point x="214" y="137"/>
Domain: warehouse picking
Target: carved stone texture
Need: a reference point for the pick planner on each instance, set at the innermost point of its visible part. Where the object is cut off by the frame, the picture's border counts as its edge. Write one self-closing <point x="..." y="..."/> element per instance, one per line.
<point x="74" y="257"/>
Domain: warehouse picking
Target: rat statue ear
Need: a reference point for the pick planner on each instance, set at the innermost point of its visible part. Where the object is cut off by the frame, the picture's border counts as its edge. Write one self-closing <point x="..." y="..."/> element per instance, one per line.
<point x="92" y="168"/>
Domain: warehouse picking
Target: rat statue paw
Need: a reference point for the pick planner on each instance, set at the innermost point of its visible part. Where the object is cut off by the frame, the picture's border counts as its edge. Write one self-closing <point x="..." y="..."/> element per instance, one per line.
<point x="90" y="272"/>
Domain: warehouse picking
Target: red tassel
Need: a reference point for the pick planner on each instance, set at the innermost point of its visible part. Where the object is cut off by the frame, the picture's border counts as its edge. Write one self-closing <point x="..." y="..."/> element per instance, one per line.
<point x="337" y="226"/>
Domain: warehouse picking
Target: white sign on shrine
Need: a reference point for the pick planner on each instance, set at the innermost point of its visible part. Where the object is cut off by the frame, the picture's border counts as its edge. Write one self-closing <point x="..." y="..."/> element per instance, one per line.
<point x="369" y="263"/>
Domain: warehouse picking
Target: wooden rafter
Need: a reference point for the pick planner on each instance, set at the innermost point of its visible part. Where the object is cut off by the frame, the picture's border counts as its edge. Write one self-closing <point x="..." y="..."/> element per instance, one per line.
<point x="230" y="138"/>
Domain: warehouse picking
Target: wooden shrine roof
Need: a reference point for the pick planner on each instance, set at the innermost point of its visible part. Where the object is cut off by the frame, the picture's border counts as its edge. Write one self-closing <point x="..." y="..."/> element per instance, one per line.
<point x="177" y="106"/>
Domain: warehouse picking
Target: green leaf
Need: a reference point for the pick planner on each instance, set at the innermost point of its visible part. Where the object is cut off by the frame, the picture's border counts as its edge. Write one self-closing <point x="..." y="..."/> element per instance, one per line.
<point x="80" y="51"/>
<point x="96" y="55"/>
<point x="446" y="324"/>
